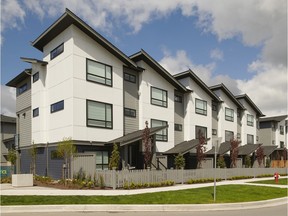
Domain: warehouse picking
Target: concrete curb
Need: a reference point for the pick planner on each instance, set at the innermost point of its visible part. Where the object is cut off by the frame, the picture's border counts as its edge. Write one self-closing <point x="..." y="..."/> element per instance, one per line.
<point x="146" y="208"/>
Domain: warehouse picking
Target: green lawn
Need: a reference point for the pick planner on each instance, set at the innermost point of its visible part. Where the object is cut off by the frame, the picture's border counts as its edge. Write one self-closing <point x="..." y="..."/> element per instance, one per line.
<point x="281" y="181"/>
<point x="225" y="194"/>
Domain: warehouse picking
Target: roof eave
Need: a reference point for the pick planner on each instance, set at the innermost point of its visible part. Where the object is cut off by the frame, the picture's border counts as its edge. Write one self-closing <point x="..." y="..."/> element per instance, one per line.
<point x="19" y="78"/>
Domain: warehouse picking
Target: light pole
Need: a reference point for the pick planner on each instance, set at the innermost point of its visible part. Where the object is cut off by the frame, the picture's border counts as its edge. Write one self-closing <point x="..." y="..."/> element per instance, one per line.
<point x="215" y="166"/>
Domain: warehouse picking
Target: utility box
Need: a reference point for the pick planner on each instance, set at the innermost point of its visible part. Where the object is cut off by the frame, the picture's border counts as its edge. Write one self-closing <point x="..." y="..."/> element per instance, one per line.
<point x="22" y="180"/>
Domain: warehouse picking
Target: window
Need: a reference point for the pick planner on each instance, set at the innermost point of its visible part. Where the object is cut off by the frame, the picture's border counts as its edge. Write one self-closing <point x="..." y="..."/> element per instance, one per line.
<point x="201" y="107"/>
<point x="238" y="136"/>
<point x="163" y="134"/>
<point x="229" y="135"/>
<point x="250" y="120"/>
<point x="57" y="106"/>
<point x="55" y="155"/>
<point x="99" y="114"/>
<point x="35" y="77"/>
<point x="22" y="88"/>
<point x="178" y="98"/>
<point x="57" y="51"/>
<point x="250" y="139"/>
<point x="214" y="132"/>
<point x="281" y="144"/>
<point x="200" y="131"/>
<point x="238" y="113"/>
<point x="229" y="114"/>
<point x="102" y="160"/>
<point x="214" y="106"/>
<point x="130" y="112"/>
<point x="36" y="112"/>
<point x="99" y="72"/>
<point x="130" y="77"/>
<point x="158" y="97"/>
<point x="281" y="127"/>
<point x="178" y="127"/>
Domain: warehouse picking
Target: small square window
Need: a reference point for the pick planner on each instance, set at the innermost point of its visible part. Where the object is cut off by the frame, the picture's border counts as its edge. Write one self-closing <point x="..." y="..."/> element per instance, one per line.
<point x="214" y="132"/>
<point x="178" y="98"/>
<point x="178" y="127"/>
<point x="36" y="112"/>
<point x="22" y="89"/>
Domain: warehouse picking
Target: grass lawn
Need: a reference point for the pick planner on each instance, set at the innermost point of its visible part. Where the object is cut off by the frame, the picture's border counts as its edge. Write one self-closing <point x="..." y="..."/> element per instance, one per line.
<point x="225" y="194"/>
<point x="281" y="181"/>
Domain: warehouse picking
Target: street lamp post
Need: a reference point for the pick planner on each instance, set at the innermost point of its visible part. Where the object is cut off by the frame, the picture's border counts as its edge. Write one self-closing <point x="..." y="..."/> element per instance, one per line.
<point x="215" y="167"/>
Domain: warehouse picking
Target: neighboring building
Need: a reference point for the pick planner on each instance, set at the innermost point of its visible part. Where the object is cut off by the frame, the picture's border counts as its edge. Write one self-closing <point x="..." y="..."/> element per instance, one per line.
<point x="274" y="131"/>
<point x="85" y="88"/>
<point x="8" y="131"/>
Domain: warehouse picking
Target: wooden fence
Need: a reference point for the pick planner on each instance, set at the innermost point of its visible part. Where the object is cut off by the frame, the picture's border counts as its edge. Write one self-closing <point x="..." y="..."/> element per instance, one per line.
<point x="117" y="179"/>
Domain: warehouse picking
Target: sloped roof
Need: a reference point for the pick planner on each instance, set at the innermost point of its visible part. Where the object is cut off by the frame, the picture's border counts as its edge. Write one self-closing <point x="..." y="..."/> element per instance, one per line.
<point x="268" y="150"/>
<point x="247" y="149"/>
<point x="69" y="18"/>
<point x="135" y="136"/>
<point x="142" y="55"/>
<point x="273" y="118"/>
<point x="228" y="93"/>
<point x="251" y="103"/>
<point x="192" y="75"/>
<point x="8" y="119"/>
<point x="19" y="78"/>
<point x="183" y="147"/>
<point x="224" y="147"/>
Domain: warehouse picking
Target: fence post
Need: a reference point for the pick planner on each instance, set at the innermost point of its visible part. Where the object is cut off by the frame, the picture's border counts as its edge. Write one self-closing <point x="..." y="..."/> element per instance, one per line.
<point x="114" y="178"/>
<point x="182" y="175"/>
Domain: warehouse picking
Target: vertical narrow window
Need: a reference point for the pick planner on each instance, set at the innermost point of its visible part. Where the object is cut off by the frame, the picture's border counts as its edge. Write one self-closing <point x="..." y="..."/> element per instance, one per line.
<point x="102" y="160"/>
<point x="99" y="72"/>
<point x="35" y="77"/>
<point x="57" y="51"/>
<point x="57" y="106"/>
<point x="229" y="135"/>
<point x="163" y="134"/>
<point x="99" y="114"/>
<point x="250" y="120"/>
<point x="281" y="127"/>
<point x="36" y="112"/>
<point x="158" y="97"/>
<point x="229" y="114"/>
<point x="200" y="107"/>
<point x="214" y="106"/>
<point x="250" y="139"/>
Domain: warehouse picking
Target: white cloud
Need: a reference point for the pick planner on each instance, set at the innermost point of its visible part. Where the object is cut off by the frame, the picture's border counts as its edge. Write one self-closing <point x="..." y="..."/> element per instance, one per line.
<point x="8" y="101"/>
<point x="216" y="54"/>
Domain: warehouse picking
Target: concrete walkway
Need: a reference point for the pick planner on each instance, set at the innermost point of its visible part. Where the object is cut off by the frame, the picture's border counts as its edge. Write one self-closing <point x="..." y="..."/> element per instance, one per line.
<point x="7" y="189"/>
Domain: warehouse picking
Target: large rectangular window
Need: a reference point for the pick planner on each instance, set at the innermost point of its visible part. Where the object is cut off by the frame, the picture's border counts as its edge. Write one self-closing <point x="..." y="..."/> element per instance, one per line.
<point x="57" y="51"/>
<point x="130" y="112"/>
<point x="99" y="114"/>
<point x="130" y="77"/>
<point x="250" y="120"/>
<point x="159" y="97"/>
<point x="250" y="139"/>
<point x="200" y="106"/>
<point x="163" y="134"/>
<point x="57" y="106"/>
<point x="229" y="114"/>
<point x="99" y="72"/>
<point x="229" y="135"/>
<point x="200" y="131"/>
<point x="102" y="160"/>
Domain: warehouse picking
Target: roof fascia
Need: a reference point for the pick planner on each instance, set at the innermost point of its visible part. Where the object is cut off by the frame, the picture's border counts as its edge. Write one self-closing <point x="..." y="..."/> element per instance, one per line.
<point x="251" y="103"/>
<point x="19" y="78"/>
<point x="34" y="61"/>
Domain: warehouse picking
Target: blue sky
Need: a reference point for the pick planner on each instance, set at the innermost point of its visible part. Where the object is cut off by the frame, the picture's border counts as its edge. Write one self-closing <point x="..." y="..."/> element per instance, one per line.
<point x="219" y="43"/>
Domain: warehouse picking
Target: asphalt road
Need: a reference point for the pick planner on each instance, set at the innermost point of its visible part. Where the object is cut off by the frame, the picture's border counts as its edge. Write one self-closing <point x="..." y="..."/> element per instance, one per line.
<point x="281" y="210"/>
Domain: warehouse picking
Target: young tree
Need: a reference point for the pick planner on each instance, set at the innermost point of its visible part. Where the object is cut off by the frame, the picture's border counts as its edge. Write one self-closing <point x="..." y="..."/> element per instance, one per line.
<point x="247" y="161"/>
<point x="260" y="155"/>
<point x="221" y="162"/>
<point x="179" y="161"/>
<point x="12" y="158"/>
<point x="234" y="152"/>
<point x="33" y="153"/>
<point x="115" y="157"/>
<point x="66" y="150"/>
<point x="146" y="140"/>
<point x="200" y="149"/>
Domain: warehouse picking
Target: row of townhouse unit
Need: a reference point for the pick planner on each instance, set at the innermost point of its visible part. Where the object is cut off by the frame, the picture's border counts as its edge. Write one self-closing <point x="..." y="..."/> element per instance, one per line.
<point x="87" y="89"/>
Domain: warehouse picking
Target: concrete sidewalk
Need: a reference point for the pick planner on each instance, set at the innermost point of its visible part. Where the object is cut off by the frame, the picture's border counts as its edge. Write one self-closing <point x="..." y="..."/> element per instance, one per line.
<point x="7" y="189"/>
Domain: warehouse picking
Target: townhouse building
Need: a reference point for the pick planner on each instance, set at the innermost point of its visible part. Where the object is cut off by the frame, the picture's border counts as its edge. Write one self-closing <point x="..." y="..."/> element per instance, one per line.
<point x="8" y="131"/>
<point x="87" y="89"/>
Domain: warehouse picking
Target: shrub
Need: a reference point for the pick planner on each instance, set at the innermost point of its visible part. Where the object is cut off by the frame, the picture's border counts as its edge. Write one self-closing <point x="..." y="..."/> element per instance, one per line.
<point x="221" y="162"/>
<point x="6" y="180"/>
<point x="179" y="161"/>
<point x="102" y="183"/>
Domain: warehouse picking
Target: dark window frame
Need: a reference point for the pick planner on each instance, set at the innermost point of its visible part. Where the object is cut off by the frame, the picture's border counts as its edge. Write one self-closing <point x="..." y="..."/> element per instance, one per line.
<point x="35" y="112"/>
<point x="56" y="107"/>
<point x="250" y="135"/>
<point x="57" y="51"/>
<point x="227" y="117"/>
<point x="164" y="137"/>
<point x="164" y="103"/>
<point x="36" y="77"/>
<point x="178" y="127"/>
<point x="87" y="119"/>
<point x="101" y="77"/>
<point x="102" y="164"/>
<point x="129" y="77"/>
<point x="249" y="122"/>
<point x="199" y="110"/>
<point x="231" y="135"/>
<point x="197" y="128"/>
<point x="214" y="132"/>
<point x="23" y="88"/>
<point x="129" y="112"/>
